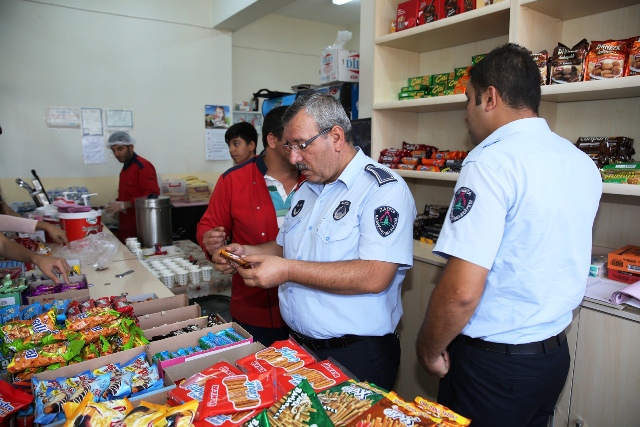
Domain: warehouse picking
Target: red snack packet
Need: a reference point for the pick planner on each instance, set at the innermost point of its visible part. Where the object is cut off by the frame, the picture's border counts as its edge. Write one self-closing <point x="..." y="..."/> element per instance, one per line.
<point x="238" y="393"/>
<point x="104" y="302"/>
<point x="321" y="376"/>
<point x="73" y="309"/>
<point x="12" y="398"/>
<point x="194" y="386"/>
<point x="227" y="420"/>
<point x="87" y="305"/>
<point x="285" y="356"/>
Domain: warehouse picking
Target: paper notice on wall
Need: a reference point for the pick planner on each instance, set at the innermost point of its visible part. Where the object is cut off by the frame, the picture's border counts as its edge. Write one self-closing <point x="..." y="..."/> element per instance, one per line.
<point x="93" y="150"/>
<point x="60" y="117"/>
<point x="215" y="145"/>
<point x="92" y="121"/>
<point x="119" y="118"/>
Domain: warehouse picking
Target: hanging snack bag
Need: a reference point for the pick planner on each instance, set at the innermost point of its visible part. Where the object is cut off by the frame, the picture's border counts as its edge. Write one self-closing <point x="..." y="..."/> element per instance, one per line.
<point x="568" y="64"/>
<point x="607" y="59"/>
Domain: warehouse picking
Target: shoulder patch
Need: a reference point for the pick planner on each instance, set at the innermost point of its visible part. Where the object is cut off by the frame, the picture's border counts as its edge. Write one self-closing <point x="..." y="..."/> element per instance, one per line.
<point x="383" y="176"/>
<point x="463" y="201"/>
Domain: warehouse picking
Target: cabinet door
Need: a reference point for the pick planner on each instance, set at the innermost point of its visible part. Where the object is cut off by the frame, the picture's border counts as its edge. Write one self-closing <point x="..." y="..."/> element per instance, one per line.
<point x="561" y="416"/>
<point x="606" y="384"/>
<point x="416" y="290"/>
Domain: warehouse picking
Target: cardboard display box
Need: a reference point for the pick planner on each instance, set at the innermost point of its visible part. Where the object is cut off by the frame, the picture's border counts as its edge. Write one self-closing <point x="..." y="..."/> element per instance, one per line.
<point x="176" y="373"/>
<point x="191" y="340"/>
<point x="625" y="259"/>
<point x="166" y="320"/>
<point x="80" y="295"/>
<point x="144" y="308"/>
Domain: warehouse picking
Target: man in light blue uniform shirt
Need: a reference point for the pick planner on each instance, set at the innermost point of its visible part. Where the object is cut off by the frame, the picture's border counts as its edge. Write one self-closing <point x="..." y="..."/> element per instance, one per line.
<point x="344" y="248"/>
<point x="518" y="244"/>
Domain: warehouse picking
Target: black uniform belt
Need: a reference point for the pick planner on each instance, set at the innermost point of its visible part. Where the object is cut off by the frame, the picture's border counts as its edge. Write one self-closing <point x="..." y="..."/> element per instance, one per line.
<point x="328" y="343"/>
<point x="528" y="348"/>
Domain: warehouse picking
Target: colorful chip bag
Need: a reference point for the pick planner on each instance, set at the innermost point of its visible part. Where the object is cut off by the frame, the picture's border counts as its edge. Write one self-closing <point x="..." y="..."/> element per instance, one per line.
<point x="320" y="375"/>
<point x="345" y="402"/>
<point x="300" y="407"/>
<point x="11" y="399"/>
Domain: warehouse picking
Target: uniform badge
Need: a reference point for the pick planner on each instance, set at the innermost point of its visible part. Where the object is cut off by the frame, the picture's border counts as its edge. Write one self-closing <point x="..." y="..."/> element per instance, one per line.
<point x="297" y="208"/>
<point x="463" y="201"/>
<point x="341" y="210"/>
<point x="386" y="219"/>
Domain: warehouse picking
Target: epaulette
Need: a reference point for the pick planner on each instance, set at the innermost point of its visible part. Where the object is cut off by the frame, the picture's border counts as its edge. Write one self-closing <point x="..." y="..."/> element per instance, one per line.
<point x="382" y="175"/>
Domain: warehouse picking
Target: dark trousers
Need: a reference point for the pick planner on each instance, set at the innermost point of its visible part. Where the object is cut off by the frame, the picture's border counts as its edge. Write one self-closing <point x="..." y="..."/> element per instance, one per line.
<point x="265" y="336"/>
<point x="496" y="389"/>
<point x="373" y="359"/>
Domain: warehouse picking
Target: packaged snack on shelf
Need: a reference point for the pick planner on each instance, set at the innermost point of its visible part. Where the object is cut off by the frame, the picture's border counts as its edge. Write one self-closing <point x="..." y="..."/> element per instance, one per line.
<point x="568" y="64"/>
<point x="607" y="60"/>
<point x="633" y="61"/>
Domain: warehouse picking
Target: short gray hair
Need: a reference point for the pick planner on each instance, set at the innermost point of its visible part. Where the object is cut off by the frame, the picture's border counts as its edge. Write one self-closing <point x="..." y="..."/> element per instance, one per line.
<point x="324" y="109"/>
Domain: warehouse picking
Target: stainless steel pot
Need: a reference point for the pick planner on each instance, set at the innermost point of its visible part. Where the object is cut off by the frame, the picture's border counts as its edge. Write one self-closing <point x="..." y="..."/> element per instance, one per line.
<point x="153" y="220"/>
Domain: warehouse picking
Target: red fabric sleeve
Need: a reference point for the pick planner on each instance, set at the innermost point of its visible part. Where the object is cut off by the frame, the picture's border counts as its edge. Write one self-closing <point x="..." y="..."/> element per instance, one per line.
<point x="218" y="212"/>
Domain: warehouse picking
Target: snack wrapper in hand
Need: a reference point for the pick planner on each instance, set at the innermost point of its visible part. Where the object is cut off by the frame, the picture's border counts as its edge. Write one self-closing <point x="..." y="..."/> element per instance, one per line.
<point x="345" y="402"/>
<point x="238" y="393"/>
<point x="300" y="407"/>
<point x="12" y="399"/>
<point x="285" y="356"/>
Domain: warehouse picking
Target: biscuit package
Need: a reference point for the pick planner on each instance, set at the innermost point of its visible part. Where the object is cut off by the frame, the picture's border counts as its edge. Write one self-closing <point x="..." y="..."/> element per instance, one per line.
<point x="346" y="401"/>
<point x="392" y="411"/>
<point x="238" y="393"/>
<point x="320" y="376"/>
<point x="298" y="408"/>
<point x="607" y="60"/>
<point x="285" y="356"/>
<point x="568" y="64"/>
<point x="542" y="61"/>
<point x="633" y="63"/>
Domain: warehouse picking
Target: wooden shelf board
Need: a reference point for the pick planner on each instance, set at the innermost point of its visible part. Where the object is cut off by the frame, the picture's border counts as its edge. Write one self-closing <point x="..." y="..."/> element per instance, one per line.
<point x="571" y="9"/>
<point x="480" y="24"/>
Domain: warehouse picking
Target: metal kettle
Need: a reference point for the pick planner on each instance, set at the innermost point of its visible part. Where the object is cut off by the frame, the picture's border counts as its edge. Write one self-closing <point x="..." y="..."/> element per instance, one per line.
<point x="153" y="220"/>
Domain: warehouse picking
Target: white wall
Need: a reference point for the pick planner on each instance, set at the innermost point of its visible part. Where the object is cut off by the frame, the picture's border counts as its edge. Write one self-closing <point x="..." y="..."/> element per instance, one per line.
<point x="158" y="58"/>
<point x="277" y="52"/>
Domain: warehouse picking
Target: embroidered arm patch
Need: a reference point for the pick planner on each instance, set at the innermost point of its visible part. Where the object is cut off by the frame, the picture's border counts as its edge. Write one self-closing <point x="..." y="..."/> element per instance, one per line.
<point x="383" y="176"/>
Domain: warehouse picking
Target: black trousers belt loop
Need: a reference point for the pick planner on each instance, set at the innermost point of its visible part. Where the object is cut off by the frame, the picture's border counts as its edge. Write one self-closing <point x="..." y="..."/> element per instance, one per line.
<point x="528" y="348"/>
<point x="325" y="344"/>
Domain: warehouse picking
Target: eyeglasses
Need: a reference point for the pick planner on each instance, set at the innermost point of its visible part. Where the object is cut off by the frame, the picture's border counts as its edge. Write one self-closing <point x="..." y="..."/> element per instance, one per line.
<point x="289" y="146"/>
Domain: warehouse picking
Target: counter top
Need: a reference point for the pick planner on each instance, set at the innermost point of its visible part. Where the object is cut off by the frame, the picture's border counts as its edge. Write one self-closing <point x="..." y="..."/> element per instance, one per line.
<point x="141" y="281"/>
<point x="424" y="252"/>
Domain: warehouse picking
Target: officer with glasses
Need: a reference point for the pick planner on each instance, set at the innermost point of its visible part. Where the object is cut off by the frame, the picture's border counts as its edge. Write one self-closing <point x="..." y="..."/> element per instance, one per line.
<point x="344" y="248"/>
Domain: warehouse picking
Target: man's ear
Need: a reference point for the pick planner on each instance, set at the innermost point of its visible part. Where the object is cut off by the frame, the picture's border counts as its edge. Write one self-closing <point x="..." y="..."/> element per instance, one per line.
<point x="253" y="143"/>
<point x="337" y="137"/>
<point x="491" y="98"/>
<point x="271" y="140"/>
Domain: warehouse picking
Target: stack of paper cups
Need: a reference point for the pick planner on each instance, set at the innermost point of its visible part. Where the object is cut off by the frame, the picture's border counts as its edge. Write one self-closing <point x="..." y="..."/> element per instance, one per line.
<point x="206" y="273"/>
<point x="194" y="274"/>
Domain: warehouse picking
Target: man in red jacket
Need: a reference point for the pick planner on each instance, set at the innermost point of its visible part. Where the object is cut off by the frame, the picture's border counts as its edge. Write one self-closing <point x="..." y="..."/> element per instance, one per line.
<point x="248" y="205"/>
<point x="137" y="179"/>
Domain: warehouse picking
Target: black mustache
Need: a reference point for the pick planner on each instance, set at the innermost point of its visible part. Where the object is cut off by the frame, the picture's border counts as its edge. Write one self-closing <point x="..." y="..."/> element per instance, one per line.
<point x="302" y="166"/>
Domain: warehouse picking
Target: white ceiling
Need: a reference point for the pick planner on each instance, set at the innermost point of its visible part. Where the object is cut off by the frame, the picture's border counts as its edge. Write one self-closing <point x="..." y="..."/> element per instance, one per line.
<point x="323" y="11"/>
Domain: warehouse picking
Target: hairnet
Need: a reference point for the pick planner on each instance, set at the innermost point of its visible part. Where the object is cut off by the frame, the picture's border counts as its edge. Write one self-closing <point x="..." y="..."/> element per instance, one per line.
<point x="120" y="138"/>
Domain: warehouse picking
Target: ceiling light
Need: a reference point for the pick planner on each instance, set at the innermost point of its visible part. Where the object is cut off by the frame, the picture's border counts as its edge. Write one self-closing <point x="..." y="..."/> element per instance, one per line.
<point x="339" y="2"/>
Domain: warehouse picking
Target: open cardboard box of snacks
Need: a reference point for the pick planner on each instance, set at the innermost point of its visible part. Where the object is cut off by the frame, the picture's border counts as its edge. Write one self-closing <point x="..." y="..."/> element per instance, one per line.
<point x="79" y="295"/>
<point x="176" y="373"/>
<point x="169" y="318"/>
<point x="145" y="308"/>
<point x="200" y="322"/>
<point x="190" y="339"/>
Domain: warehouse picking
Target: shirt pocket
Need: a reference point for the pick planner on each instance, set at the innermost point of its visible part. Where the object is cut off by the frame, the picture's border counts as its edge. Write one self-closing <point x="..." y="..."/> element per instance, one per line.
<point x="338" y="240"/>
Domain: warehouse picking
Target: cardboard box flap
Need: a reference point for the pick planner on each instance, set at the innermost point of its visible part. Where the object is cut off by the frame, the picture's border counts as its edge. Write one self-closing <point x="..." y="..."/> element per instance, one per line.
<point x="160" y="304"/>
<point x="190" y="317"/>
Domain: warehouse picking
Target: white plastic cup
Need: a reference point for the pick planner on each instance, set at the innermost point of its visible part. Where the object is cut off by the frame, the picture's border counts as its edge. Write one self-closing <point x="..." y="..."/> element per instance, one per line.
<point x="167" y="279"/>
<point x="182" y="277"/>
<point x="206" y="273"/>
<point x="194" y="275"/>
<point x="138" y="253"/>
